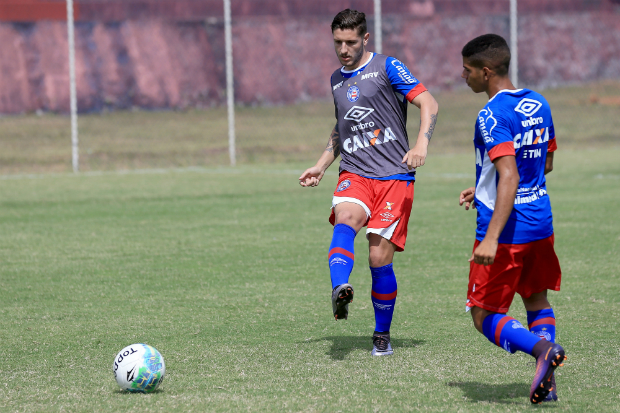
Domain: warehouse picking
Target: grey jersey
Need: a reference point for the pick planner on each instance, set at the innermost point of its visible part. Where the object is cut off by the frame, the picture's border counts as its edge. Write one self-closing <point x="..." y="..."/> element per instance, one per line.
<point x="372" y="120"/>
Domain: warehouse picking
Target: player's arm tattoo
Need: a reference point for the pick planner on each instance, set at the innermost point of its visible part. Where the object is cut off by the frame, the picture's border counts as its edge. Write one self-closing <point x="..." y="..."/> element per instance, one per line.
<point x="333" y="144"/>
<point x="431" y="128"/>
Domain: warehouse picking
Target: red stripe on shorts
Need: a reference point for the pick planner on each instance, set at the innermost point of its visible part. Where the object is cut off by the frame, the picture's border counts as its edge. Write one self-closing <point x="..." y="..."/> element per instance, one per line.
<point x="500" y="326"/>
<point x="342" y="251"/>
<point x="386" y="297"/>
<point x="547" y="320"/>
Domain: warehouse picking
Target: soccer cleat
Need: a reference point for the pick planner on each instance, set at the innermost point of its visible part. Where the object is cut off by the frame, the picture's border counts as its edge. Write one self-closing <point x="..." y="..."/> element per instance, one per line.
<point x="342" y="295"/>
<point x="381" y="344"/>
<point x="553" y="394"/>
<point x="550" y="357"/>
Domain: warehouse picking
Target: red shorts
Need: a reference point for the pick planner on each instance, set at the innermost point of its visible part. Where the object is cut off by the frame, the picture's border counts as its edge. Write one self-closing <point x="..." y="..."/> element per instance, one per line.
<point x="523" y="268"/>
<point x="387" y="204"/>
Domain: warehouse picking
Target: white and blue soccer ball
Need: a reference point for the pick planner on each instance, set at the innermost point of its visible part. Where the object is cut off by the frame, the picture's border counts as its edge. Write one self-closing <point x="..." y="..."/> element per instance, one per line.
<point x="139" y="368"/>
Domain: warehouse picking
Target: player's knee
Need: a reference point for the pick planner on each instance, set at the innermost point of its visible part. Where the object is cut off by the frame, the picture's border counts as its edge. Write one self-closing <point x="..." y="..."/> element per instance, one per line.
<point x="348" y="218"/>
<point x="478" y="315"/>
<point x="536" y="302"/>
<point x="379" y="258"/>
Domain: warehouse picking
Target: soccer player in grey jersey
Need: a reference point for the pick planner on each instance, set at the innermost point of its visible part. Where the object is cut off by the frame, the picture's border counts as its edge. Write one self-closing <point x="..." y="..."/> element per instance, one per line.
<point x="377" y="171"/>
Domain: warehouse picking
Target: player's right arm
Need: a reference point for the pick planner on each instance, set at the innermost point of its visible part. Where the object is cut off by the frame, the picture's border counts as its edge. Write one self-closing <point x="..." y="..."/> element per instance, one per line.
<point x="506" y="192"/>
<point x="312" y="176"/>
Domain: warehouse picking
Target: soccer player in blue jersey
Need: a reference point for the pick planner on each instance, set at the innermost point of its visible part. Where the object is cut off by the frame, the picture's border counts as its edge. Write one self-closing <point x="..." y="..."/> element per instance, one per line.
<point x="513" y="252"/>
<point x="377" y="171"/>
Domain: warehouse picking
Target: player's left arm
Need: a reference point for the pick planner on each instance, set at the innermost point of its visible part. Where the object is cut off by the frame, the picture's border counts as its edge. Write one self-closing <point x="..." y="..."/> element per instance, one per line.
<point x="405" y="84"/>
<point x="552" y="146"/>
<point x="429" y="109"/>
<point x="507" y="185"/>
<point x="549" y="163"/>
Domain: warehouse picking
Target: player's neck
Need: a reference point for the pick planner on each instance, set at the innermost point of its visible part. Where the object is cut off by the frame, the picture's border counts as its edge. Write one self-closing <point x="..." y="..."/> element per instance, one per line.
<point x="499" y="83"/>
<point x="364" y="59"/>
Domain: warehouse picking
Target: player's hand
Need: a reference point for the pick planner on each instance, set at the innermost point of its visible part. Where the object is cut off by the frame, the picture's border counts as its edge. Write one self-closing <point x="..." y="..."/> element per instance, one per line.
<point x="485" y="252"/>
<point x="416" y="157"/>
<point x="311" y="177"/>
<point x="467" y="198"/>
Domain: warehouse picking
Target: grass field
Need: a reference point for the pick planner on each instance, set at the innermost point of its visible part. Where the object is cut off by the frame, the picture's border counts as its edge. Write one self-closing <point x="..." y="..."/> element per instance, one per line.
<point x="224" y="271"/>
<point x="584" y="116"/>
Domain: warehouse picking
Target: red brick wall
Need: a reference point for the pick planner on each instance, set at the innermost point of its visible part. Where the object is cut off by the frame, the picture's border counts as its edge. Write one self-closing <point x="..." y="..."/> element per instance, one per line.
<point x="120" y="10"/>
<point x="162" y="63"/>
<point x="35" y="10"/>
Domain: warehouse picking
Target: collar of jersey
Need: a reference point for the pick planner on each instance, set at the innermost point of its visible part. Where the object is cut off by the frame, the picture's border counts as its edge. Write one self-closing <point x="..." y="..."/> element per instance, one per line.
<point x="351" y="73"/>
<point x="507" y="91"/>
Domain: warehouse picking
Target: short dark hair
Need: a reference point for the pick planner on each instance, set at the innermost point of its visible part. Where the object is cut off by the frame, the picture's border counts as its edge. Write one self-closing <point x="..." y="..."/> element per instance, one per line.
<point x="488" y="50"/>
<point x="352" y="20"/>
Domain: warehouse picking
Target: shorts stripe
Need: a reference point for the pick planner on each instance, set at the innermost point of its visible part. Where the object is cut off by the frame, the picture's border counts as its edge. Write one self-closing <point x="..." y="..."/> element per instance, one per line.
<point x="340" y="199"/>
<point x="500" y="326"/>
<point x="383" y="232"/>
<point x="385" y="297"/>
<point x="547" y="320"/>
<point x="342" y="251"/>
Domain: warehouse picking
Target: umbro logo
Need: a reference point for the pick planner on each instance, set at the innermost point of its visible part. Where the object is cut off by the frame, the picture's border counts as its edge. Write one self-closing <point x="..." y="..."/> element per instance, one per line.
<point x="528" y="107"/>
<point x="357" y="113"/>
<point x="131" y="374"/>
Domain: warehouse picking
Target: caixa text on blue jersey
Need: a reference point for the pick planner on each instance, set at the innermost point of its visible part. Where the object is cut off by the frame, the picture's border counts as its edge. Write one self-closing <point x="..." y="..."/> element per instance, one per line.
<point x="542" y="136"/>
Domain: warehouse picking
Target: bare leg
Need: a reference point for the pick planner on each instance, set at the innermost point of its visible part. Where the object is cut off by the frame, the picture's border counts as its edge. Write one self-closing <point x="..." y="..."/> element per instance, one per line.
<point x="350" y="214"/>
<point x="536" y="302"/>
<point x="478" y="315"/>
<point x="380" y="251"/>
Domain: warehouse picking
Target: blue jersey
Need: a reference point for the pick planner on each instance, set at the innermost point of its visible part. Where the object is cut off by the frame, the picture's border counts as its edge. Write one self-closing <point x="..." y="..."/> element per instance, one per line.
<point x="517" y="123"/>
<point x="371" y="110"/>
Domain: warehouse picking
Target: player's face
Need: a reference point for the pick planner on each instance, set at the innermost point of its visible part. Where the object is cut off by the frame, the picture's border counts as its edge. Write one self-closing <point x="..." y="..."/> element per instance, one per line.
<point x="350" y="47"/>
<point x="476" y="78"/>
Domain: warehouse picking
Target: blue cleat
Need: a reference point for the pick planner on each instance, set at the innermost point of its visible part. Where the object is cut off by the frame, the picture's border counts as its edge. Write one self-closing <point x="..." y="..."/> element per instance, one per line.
<point x="550" y="356"/>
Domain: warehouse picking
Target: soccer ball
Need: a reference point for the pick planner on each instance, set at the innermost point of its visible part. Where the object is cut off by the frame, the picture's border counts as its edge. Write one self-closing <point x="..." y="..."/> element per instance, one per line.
<point x="139" y="368"/>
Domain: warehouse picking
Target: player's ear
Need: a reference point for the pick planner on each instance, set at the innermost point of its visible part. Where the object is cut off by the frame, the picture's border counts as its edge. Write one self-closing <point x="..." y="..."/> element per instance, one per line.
<point x="486" y="73"/>
<point x="366" y="37"/>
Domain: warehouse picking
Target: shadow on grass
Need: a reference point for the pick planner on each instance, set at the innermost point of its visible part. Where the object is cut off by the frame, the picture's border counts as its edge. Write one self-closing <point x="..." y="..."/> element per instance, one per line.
<point x="494" y="393"/>
<point x="342" y="346"/>
<point x="137" y="393"/>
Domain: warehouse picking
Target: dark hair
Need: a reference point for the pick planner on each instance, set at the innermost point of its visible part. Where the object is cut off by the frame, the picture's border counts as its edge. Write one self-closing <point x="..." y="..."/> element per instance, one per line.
<point x="488" y="50"/>
<point x="352" y="20"/>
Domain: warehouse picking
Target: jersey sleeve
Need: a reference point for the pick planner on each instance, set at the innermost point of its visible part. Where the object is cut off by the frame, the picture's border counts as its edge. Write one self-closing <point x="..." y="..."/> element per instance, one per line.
<point x="552" y="146"/>
<point x="402" y="80"/>
<point x="496" y="134"/>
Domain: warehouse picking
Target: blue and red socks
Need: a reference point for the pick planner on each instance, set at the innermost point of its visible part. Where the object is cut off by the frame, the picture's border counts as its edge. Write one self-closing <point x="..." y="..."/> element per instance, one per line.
<point x="508" y="333"/>
<point x="383" y="296"/>
<point x="341" y="254"/>
<point x="542" y="323"/>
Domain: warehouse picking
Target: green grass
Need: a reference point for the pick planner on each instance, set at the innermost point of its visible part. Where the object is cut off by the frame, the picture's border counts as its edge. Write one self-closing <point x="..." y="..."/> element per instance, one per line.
<point x="584" y="116"/>
<point x="224" y="271"/>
